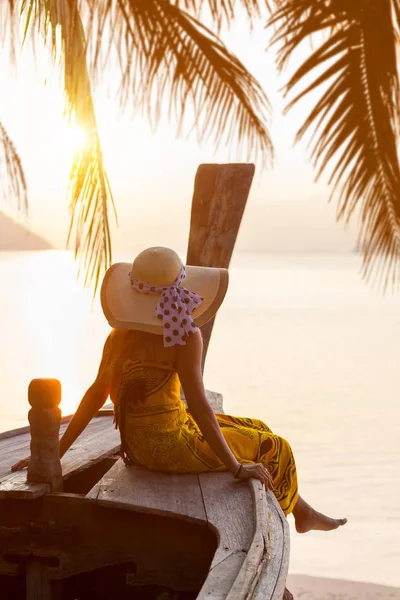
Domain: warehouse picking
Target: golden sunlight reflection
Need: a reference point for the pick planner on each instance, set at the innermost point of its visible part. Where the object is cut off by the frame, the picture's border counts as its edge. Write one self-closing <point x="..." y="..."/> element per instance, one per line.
<point x="57" y="311"/>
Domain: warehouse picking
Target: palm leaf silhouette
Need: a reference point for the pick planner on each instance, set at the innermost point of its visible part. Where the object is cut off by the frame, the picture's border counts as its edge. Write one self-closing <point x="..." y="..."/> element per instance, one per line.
<point x="173" y="58"/>
<point x="12" y="177"/>
<point x="355" y="122"/>
<point x="165" y="56"/>
<point x="223" y="10"/>
<point x="89" y="190"/>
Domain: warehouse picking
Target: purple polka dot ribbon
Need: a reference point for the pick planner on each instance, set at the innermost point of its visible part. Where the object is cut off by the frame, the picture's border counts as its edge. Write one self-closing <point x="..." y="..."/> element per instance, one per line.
<point x="174" y="307"/>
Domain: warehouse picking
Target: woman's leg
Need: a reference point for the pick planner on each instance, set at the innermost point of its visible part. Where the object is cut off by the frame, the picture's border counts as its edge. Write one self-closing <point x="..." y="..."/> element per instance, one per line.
<point x="281" y="464"/>
<point x="276" y="455"/>
<point x="251" y="439"/>
<point x="307" y="518"/>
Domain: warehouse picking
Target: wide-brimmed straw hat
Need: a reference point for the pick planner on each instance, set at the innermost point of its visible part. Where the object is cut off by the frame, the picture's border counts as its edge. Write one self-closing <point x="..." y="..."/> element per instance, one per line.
<point x="127" y="308"/>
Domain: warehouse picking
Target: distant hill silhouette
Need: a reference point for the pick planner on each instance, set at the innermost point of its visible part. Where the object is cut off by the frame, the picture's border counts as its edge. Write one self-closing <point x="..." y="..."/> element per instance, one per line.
<point x="15" y="236"/>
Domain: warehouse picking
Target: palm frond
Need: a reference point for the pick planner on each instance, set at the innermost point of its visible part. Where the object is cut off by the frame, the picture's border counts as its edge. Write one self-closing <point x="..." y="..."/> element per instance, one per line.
<point x="13" y="183"/>
<point x="356" y="119"/>
<point x="223" y="11"/>
<point x="9" y="28"/>
<point x="90" y="192"/>
<point x="166" y="55"/>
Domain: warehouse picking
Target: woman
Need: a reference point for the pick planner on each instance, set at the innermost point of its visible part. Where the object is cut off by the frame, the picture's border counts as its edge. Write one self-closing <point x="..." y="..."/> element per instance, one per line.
<point x="156" y="307"/>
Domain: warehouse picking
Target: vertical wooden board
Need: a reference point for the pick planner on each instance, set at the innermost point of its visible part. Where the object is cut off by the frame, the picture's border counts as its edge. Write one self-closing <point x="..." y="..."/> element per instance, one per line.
<point x="214" y="398"/>
<point x="219" y="199"/>
<point x="216" y="402"/>
<point x="37" y="582"/>
<point x="134" y="487"/>
<point x="247" y="577"/>
<point x="272" y="581"/>
<point x="283" y="573"/>
<point x="44" y="417"/>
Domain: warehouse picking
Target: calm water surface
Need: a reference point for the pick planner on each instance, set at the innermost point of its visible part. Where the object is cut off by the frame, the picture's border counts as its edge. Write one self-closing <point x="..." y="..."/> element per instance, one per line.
<point x="300" y="342"/>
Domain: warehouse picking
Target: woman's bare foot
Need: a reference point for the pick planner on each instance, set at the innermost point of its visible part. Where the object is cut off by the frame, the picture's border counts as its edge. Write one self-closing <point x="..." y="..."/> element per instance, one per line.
<point x="315" y="520"/>
<point x="307" y="519"/>
<point x="287" y="595"/>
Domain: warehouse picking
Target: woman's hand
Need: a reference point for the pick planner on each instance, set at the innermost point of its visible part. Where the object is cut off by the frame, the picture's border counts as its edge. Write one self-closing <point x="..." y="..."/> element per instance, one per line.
<point x="21" y="464"/>
<point x="256" y="471"/>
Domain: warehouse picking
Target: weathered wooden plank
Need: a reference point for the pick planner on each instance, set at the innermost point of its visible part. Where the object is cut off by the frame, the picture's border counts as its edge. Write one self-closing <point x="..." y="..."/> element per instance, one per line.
<point x="219" y="199"/>
<point x="98" y="441"/>
<point x="136" y="488"/>
<point x="221" y="578"/>
<point x="14" y="485"/>
<point x="229" y="509"/>
<point x="284" y="570"/>
<point x="13" y="449"/>
<point x="14" y="444"/>
<point x="272" y="580"/>
<point x="93" y="445"/>
<point x="37" y="582"/>
<point x="215" y="399"/>
<point x="236" y="574"/>
<point x="251" y="566"/>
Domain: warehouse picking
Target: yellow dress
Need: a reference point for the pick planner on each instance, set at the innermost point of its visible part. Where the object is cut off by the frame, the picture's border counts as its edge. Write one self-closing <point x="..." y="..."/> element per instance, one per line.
<point x="158" y="432"/>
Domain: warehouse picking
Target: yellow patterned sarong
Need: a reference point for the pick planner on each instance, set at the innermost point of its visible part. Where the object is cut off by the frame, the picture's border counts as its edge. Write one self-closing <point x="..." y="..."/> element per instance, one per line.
<point x="158" y="432"/>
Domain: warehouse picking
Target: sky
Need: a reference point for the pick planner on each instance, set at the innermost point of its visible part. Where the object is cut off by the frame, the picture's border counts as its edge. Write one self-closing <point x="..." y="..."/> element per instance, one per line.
<point x="152" y="173"/>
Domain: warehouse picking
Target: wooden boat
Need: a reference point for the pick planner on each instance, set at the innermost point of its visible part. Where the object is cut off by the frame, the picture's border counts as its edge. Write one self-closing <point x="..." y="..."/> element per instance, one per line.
<point x="129" y="532"/>
<point x="99" y="529"/>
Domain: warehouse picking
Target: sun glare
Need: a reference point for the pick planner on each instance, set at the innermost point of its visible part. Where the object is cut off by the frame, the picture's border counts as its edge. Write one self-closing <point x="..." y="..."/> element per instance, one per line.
<point x="74" y="138"/>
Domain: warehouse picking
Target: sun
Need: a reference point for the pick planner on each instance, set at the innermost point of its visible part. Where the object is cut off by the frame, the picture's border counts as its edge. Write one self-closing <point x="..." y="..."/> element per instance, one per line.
<point x="74" y="139"/>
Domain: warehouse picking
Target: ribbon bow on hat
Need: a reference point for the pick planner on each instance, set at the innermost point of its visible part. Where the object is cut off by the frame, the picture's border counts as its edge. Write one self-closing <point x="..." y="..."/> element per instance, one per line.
<point x="174" y="307"/>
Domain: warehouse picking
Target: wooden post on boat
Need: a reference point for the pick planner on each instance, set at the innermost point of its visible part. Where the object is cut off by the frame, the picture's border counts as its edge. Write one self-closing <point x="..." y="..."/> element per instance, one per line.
<point x="219" y="199"/>
<point x="44" y="396"/>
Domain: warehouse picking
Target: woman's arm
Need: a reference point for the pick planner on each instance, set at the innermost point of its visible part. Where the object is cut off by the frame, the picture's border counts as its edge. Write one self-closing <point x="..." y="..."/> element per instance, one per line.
<point x="189" y="371"/>
<point x="93" y="399"/>
<point x="91" y="402"/>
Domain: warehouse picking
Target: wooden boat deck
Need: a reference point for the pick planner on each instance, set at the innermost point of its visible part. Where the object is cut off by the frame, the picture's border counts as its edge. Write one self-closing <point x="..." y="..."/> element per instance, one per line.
<point x="251" y="559"/>
<point x="99" y="441"/>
